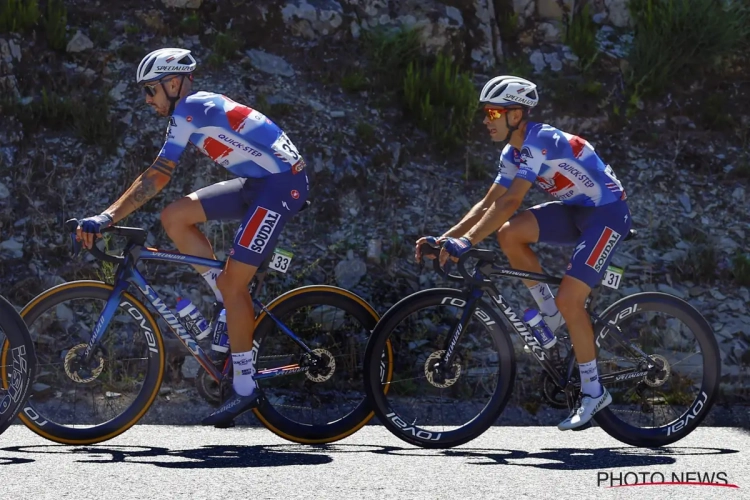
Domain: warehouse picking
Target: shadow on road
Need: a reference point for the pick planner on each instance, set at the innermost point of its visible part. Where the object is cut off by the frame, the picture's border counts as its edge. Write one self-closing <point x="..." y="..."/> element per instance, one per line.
<point x="290" y="454"/>
<point x="197" y="458"/>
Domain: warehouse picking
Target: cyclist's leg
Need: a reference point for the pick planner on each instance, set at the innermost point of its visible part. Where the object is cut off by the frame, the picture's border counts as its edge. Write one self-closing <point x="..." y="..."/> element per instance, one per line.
<point x="280" y="198"/>
<point x="220" y="201"/>
<point x="603" y="229"/>
<point x="548" y="222"/>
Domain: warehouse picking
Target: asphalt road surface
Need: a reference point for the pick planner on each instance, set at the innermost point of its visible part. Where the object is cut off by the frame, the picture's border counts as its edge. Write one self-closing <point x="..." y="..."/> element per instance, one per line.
<point x="150" y="462"/>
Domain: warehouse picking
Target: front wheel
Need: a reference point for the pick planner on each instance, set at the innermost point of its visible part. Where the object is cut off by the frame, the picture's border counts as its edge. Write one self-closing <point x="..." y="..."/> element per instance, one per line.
<point x="427" y="404"/>
<point x="668" y="403"/>
<point x="328" y="403"/>
<point x="78" y="402"/>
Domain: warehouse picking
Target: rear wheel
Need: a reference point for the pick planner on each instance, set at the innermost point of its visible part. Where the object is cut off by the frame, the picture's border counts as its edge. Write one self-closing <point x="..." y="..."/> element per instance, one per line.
<point x="17" y="363"/>
<point x="328" y="403"/>
<point x="667" y="404"/>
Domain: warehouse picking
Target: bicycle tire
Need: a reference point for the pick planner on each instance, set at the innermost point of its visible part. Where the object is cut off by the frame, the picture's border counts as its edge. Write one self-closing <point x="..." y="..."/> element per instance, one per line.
<point x="18" y="357"/>
<point x="688" y="421"/>
<point x="378" y="397"/>
<point x="336" y="430"/>
<point x="47" y="428"/>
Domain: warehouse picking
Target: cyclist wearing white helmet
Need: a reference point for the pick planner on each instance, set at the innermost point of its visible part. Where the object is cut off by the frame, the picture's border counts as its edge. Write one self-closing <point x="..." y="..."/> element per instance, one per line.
<point x="270" y="187"/>
<point x="590" y="212"/>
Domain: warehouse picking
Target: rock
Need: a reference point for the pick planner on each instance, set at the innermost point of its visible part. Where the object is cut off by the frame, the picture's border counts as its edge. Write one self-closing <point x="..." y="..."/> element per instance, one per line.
<point x="4" y="191"/>
<point x="685" y="202"/>
<point x="738" y="194"/>
<point x="79" y="43"/>
<point x="618" y="12"/>
<point x="717" y="295"/>
<point x="314" y="19"/>
<point x="12" y="247"/>
<point x="524" y="8"/>
<point x="551" y="9"/>
<point x="555" y="64"/>
<point x="671" y="290"/>
<point x="117" y="92"/>
<point x="349" y="272"/>
<point x="269" y="63"/>
<point x="537" y="60"/>
<point x="550" y="33"/>
<point x="9" y="87"/>
<point x="190" y="367"/>
<point x="182" y="4"/>
<point x="374" y="249"/>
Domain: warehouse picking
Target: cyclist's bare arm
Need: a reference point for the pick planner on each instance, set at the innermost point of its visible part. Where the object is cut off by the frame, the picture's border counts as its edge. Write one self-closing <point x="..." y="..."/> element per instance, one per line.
<point x="477" y="212"/>
<point x="145" y="187"/>
<point x="499" y="211"/>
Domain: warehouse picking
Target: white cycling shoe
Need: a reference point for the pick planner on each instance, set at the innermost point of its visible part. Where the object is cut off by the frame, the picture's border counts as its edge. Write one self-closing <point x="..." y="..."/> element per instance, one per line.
<point x="586" y="409"/>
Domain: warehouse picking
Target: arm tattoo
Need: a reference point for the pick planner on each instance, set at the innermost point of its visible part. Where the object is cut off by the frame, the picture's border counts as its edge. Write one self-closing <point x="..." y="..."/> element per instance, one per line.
<point x="146" y="190"/>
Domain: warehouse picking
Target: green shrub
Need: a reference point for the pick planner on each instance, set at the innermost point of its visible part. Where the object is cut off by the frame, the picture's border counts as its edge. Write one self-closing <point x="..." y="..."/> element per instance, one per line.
<point x="56" y="25"/>
<point x="580" y="36"/>
<point x="18" y="15"/>
<point x="390" y="52"/>
<point x="741" y="269"/>
<point x="677" y="37"/>
<point x="86" y="116"/>
<point x="191" y="24"/>
<point x="698" y="265"/>
<point x="354" y="81"/>
<point x="441" y="100"/>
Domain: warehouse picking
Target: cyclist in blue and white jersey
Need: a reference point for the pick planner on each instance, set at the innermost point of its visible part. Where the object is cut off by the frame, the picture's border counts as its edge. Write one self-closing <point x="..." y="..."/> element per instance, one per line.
<point x="270" y="187"/>
<point x="590" y="212"/>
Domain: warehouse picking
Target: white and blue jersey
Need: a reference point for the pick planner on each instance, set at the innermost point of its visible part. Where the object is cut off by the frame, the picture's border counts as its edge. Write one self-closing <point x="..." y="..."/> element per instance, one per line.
<point x="563" y="165"/>
<point x="239" y="138"/>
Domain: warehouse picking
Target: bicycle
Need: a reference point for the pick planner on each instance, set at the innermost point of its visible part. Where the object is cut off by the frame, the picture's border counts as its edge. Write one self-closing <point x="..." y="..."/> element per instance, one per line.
<point x="437" y="336"/>
<point x="288" y="368"/>
<point x="17" y="363"/>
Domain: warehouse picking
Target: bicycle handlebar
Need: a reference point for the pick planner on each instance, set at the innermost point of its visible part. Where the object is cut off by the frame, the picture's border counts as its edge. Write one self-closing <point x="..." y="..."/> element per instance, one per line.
<point x="72" y="224"/>
<point x="488" y="256"/>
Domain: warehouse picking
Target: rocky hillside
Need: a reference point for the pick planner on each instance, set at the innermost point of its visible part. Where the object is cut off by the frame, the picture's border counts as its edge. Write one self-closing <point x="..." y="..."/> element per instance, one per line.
<point x="671" y="118"/>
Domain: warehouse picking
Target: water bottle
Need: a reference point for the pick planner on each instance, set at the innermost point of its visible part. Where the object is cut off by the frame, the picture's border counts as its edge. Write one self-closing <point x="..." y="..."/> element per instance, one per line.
<point x="221" y="339"/>
<point x="192" y="318"/>
<point x="539" y="328"/>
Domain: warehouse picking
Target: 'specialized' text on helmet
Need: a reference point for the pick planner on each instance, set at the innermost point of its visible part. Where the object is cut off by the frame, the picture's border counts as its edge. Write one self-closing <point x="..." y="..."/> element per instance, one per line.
<point x="162" y="62"/>
<point x="507" y="91"/>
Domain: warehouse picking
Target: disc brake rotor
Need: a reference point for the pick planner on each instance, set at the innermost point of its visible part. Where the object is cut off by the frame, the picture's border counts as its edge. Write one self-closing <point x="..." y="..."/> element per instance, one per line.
<point x="661" y="376"/>
<point x="325" y="369"/>
<point x="429" y="370"/>
<point x="78" y="373"/>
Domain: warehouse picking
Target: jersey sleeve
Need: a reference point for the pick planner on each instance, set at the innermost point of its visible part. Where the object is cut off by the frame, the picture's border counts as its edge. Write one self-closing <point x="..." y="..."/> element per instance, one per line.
<point x="506" y="169"/>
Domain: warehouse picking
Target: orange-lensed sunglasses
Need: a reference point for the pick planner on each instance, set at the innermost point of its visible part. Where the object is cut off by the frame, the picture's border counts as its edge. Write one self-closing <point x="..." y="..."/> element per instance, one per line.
<point x="495" y="113"/>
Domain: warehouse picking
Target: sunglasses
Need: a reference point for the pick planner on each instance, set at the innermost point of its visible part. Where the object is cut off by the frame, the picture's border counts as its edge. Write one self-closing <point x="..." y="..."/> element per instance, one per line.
<point x="150" y="89"/>
<point x="494" y="113"/>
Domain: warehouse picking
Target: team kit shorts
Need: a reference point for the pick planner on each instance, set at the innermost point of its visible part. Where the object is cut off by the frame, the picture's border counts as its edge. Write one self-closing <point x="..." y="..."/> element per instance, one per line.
<point x="596" y="233"/>
<point x="263" y="205"/>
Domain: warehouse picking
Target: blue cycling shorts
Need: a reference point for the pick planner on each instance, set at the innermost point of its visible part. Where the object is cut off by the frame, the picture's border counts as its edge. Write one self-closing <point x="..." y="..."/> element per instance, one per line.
<point x="263" y="205"/>
<point x="596" y="233"/>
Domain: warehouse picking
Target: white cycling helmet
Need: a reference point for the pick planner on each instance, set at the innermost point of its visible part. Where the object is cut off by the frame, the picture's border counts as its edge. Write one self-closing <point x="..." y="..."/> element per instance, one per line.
<point x="509" y="90"/>
<point x="162" y="62"/>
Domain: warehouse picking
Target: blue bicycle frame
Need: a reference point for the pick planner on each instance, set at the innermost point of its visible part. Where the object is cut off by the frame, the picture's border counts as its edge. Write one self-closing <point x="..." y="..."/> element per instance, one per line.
<point x="127" y="273"/>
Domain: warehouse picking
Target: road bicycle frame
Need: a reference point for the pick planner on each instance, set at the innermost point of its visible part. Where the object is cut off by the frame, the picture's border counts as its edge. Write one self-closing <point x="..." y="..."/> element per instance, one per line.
<point x="127" y="273"/>
<point x="479" y="285"/>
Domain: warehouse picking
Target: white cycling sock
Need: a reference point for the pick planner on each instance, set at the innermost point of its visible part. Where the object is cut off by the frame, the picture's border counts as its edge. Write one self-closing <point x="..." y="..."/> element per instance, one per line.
<point x="210" y="277"/>
<point x="544" y="298"/>
<point x="242" y="363"/>
<point x="590" y="384"/>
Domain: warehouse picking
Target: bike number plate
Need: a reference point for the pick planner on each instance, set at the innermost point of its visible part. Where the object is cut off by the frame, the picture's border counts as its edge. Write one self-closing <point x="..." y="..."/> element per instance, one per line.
<point x="612" y="277"/>
<point x="281" y="260"/>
